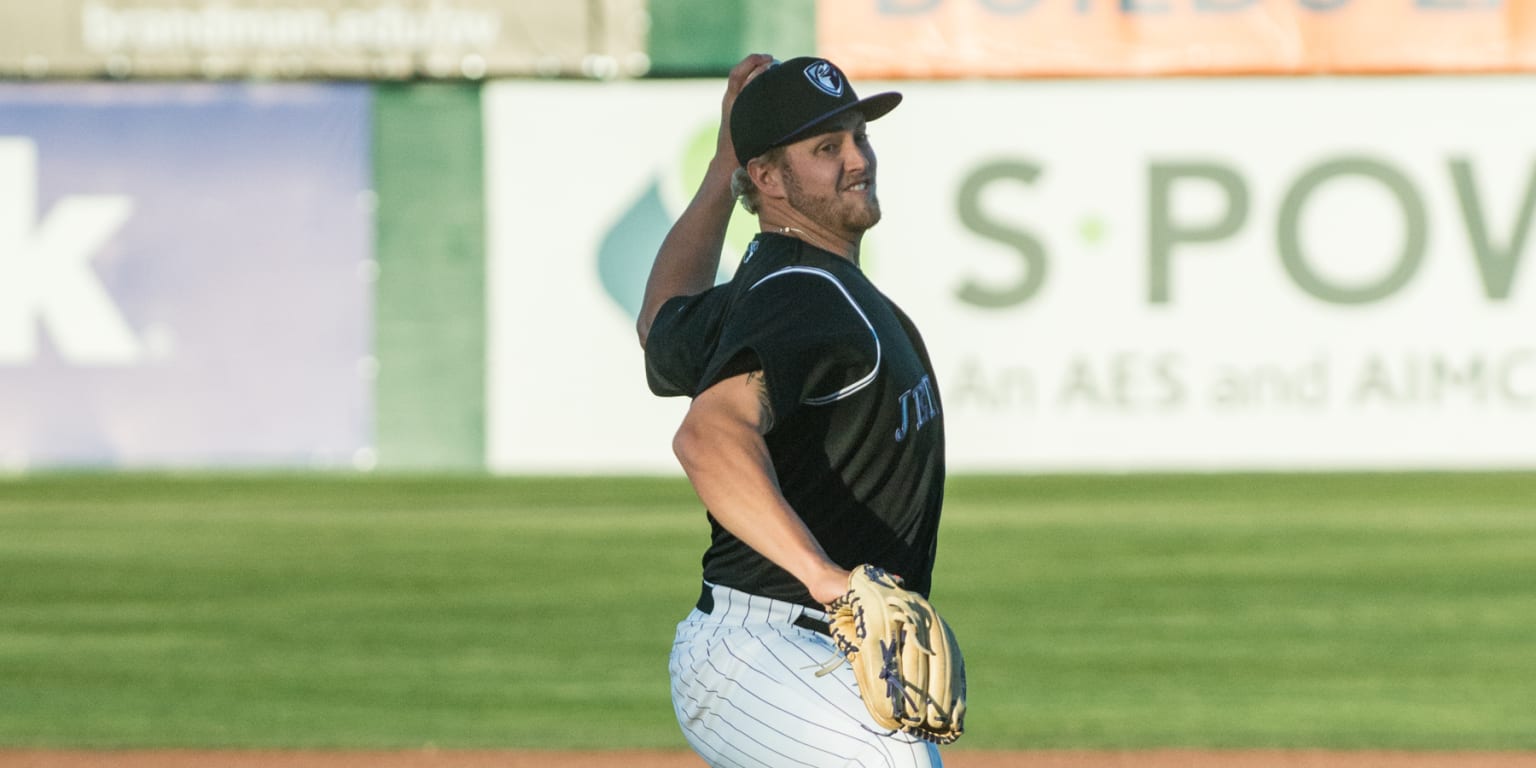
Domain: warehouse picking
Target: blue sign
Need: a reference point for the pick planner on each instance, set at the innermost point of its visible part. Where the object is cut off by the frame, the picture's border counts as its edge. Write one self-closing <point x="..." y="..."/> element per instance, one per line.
<point x="185" y="275"/>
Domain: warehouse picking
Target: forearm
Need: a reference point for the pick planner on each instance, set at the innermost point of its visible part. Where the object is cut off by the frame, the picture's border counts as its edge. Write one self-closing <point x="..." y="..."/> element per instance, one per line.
<point x="689" y="257"/>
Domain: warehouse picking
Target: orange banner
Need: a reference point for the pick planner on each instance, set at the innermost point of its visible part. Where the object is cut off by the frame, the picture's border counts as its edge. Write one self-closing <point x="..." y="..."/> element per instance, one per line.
<point x="1021" y="38"/>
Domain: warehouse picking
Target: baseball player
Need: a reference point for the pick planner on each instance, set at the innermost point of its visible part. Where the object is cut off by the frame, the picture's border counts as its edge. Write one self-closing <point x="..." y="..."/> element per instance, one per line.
<point x="815" y="435"/>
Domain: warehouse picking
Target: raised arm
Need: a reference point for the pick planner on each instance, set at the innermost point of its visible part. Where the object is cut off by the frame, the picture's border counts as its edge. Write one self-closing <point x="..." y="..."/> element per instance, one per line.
<point x="720" y="446"/>
<point x="690" y="255"/>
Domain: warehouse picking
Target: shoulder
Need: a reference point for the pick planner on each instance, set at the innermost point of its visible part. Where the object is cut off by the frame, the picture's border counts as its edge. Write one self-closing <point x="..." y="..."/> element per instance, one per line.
<point x="809" y="330"/>
<point x="808" y="299"/>
<point x="682" y="339"/>
<point x="814" y="294"/>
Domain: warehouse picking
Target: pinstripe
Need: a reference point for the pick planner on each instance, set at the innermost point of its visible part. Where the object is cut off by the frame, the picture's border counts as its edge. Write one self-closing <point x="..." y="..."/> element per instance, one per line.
<point x="852" y="706"/>
<point x="714" y="716"/>
<point x="744" y="695"/>
<point x="814" y="724"/>
<point x="724" y="745"/>
<point x="735" y="743"/>
<point x="796" y="673"/>
<point x="717" y="746"/>
<point x="747" y="715"/>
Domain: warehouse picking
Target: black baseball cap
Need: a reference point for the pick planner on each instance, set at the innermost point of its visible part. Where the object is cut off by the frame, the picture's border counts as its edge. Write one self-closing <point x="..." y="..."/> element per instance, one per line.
<point x="789" y="100"/>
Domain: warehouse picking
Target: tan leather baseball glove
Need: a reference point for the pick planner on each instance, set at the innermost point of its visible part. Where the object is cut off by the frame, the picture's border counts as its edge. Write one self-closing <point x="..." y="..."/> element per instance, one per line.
<point x="904" y="655"/>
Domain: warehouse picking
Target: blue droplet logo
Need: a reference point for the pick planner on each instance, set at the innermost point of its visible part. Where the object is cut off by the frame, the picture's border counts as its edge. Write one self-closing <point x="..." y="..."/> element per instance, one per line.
<point x="625" y="256"/>
<point x="629" y="247"/>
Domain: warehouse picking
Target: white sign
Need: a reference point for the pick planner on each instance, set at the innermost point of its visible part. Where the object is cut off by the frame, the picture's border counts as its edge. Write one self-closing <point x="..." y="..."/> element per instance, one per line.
<point x="1111" y="275"/>
<point x="580" y="185"/>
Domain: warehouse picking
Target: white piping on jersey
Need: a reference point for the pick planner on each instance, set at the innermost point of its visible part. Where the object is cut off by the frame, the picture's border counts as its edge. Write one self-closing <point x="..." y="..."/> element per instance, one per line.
<point x="873" y="372"/>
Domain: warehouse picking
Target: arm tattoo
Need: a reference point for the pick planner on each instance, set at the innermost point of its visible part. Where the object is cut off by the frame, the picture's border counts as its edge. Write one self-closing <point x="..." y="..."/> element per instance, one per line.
<point x="757" y="380"/>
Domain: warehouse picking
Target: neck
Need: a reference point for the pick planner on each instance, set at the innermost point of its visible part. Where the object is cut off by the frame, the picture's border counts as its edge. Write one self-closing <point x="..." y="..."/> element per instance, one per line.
<point x="847" y="249"/>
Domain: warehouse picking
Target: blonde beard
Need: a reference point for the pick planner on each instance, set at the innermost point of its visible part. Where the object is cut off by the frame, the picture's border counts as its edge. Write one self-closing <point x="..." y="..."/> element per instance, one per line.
<point x="830" y="212"/>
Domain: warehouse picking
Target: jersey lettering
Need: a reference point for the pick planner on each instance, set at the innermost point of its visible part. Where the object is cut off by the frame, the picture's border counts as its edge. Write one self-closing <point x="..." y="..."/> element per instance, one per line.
<point x="918" y="407"/>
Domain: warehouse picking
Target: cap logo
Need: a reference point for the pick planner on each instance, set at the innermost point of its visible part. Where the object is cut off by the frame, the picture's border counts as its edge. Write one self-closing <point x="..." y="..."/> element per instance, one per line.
<point x="826" y="78"/>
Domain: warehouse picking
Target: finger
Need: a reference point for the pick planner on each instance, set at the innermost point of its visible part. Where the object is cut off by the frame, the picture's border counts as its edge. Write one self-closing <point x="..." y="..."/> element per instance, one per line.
<point x="767" y="64"/>
<point x="751" y="62"/>
<point x="749" y="67"/>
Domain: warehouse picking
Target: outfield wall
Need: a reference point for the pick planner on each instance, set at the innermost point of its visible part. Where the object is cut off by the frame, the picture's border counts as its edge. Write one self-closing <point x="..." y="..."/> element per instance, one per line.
<point x="1033" y="38"/>
<point x="474" y="39"/>
<point x="195" y="290"/>
<point x="353" y="39"/>
<point x="1112" y="275"/>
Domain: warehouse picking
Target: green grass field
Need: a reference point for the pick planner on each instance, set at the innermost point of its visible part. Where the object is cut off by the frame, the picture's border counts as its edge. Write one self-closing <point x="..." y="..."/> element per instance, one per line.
<point x="1306" y="611"/>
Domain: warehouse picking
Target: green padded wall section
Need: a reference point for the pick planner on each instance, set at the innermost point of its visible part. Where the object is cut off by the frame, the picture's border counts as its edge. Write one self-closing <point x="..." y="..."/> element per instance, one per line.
<point x="430" y="302"/>
<point x="706" y="37"/>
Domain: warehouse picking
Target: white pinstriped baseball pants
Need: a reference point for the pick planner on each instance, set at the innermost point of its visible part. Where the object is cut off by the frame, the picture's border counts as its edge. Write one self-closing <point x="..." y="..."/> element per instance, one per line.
<point x="745" y="691"/>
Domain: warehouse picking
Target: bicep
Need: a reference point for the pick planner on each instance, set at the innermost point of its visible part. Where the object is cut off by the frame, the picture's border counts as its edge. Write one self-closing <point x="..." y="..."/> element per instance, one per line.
<point x="720" y="443"/>
<point x="741" y="401"/>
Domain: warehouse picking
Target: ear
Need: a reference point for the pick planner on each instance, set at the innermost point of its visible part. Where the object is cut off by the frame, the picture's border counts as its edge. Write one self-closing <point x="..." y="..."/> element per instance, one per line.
<point x="768" y="177"/>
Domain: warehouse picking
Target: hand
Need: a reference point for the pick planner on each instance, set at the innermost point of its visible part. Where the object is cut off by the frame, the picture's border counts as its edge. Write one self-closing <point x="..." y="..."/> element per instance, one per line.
<point x="829" y="585"/>
<point x="741" y="74"/>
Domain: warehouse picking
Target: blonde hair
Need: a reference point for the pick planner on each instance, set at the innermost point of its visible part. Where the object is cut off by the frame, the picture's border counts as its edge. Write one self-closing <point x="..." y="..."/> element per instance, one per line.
<point x="744" y="189"/>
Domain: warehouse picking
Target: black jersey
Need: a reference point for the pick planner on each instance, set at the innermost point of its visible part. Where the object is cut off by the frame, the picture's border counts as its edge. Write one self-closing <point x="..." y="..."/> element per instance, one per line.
<point x="857" y="438"/>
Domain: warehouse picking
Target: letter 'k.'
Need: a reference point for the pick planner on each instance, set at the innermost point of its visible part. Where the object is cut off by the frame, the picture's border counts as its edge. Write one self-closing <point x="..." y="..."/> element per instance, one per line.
<point x="46" y="280"/>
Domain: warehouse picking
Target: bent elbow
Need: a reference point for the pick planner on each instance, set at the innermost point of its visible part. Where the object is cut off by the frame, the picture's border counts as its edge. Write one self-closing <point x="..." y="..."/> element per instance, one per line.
<point x="643" y="328"/>
<point x="686" y="443"/>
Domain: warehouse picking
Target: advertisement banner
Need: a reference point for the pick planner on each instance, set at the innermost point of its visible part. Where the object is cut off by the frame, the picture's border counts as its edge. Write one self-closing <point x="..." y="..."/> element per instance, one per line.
<point x="582" y="181"/>
<point x="387" y="39"/>
<point x="993" y="38"/>
<point x="1111" y="275"/>
<point x="185" y="275"/>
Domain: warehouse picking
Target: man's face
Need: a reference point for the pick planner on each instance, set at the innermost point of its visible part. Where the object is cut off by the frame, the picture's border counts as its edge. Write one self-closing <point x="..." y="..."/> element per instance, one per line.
<point x="830" y="177"/>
